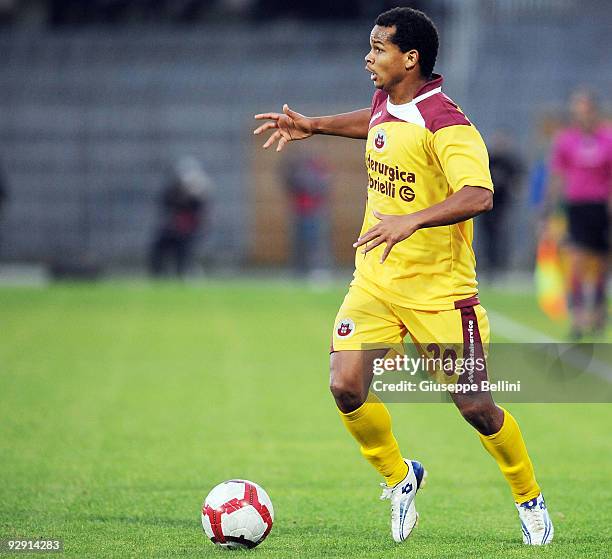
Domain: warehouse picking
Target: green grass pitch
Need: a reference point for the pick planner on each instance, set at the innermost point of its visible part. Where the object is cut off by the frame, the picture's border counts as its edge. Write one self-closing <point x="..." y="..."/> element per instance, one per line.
<point x="122" y="404"/>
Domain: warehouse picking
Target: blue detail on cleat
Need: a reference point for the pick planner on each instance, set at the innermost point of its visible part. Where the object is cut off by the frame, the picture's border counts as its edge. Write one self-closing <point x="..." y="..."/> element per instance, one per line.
<point x="536" y="524"/>
<point x="403" y="513"/>
<point x="526" y="532"/>
<point x="548" y="527"/>
<point x="418" y="471"/>
<point x="529" y="504"/>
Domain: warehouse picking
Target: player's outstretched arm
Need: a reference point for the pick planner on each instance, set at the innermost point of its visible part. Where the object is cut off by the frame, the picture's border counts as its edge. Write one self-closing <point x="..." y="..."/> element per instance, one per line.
<point x="290" y="125"/>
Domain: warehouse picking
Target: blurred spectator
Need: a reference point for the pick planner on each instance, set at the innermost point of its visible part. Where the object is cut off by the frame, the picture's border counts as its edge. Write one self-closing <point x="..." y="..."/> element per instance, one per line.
<point x="506" y="169"/>
<point x="548" y="126"/>
<point x="307" y="181"/>
<point x="581" y="165"/>
<point x="184" y="203"/>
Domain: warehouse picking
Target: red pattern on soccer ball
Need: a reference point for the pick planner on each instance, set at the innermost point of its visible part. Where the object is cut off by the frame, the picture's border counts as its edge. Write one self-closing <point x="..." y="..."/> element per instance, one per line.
<point x="250" y="498"/>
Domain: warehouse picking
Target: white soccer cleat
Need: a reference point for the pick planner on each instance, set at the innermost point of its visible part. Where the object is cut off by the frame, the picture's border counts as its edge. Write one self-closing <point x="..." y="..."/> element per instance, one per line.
<point x="404" y="516"/>
<point x="535" y="522"/>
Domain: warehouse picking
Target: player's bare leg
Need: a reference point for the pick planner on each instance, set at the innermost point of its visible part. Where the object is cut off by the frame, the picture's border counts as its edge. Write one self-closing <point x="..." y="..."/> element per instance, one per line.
<point x="351" y="374"/>
<point x="364" y="415"/>
<point x="500" y="435"/>
<point x="368" y="420"/>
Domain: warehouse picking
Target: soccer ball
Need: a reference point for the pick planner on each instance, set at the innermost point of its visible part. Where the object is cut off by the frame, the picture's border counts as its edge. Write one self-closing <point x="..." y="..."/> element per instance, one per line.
<point x="237" y="514"/>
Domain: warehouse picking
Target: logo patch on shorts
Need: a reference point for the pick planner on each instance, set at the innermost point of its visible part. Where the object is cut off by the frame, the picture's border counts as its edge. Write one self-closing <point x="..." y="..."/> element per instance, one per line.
<point x="345" y="328"/>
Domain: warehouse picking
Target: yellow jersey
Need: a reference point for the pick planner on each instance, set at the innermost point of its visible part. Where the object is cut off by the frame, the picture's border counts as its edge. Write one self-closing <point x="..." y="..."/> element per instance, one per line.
<point x="417" y="155"/>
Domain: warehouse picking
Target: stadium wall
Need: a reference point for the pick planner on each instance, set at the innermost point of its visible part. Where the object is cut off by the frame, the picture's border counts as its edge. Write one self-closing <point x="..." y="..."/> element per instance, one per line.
<point x="91" y="120"/>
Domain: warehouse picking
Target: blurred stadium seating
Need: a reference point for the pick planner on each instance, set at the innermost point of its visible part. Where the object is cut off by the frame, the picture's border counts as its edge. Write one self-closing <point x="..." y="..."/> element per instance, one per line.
<point x="92" y="117"/>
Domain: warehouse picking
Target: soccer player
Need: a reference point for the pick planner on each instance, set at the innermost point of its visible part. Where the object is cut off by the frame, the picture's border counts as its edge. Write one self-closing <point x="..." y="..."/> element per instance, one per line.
<point x="428" y="176"/>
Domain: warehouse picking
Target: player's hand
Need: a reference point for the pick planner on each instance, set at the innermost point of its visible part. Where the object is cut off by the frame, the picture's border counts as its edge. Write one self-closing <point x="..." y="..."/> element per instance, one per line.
<point x="391" y="229"/>
<point x="287" y="126"/>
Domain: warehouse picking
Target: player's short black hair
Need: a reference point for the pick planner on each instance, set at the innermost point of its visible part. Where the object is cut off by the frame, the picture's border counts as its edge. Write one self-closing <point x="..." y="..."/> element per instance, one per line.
<point x="413" y="30"/>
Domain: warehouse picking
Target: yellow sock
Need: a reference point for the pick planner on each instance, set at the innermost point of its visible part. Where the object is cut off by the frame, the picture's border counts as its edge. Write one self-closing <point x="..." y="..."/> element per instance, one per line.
<point x="508" y="448"/>
<point x="370" y="425"/>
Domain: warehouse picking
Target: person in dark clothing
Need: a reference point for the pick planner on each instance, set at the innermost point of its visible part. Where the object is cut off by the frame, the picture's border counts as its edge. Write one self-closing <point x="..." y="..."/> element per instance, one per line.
<point x="506" y="169"/>
<point x="307" y="181"/>
<point x="183" y="203"/>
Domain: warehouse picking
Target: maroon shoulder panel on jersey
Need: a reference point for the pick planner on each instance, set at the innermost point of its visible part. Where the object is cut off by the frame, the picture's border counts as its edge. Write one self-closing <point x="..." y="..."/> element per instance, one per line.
<point x="438" y="111"/>
<point x="379" y="110"/>
<point x="377" y="100"/>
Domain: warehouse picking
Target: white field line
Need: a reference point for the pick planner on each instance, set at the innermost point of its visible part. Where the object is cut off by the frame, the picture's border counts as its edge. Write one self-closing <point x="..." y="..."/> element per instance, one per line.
<point x="518" y="332"/>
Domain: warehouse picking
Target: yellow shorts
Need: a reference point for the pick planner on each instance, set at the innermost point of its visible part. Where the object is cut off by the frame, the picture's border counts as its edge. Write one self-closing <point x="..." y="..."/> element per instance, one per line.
<point x="367" y="322"/>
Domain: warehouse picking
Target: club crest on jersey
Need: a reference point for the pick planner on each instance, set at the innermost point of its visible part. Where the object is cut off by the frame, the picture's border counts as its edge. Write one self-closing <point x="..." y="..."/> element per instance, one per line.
<point x="380" y="140"/>
<point x="345" y="328"/>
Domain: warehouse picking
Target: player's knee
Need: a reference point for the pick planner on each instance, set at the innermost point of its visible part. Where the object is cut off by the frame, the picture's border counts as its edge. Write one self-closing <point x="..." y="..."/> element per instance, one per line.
<point x="348" y="396"/>
<point x="346" y="389"/>
<point x="481" y="414"/>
